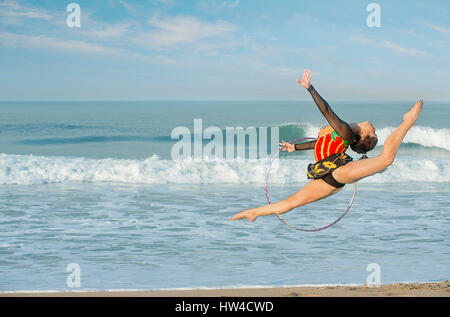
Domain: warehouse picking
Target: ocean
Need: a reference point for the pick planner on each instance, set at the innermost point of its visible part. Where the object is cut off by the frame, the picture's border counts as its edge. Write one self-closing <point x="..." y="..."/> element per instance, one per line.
<point x="94" y="184"/>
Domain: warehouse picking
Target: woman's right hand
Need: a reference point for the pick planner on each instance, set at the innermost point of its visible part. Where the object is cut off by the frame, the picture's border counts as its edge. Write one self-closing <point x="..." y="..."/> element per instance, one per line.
<point x="287" y="146"/>
<point x="305" y="82"/>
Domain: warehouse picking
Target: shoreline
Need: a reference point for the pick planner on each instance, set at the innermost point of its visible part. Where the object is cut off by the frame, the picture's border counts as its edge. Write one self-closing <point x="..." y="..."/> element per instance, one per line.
<point x="433" y="289"/>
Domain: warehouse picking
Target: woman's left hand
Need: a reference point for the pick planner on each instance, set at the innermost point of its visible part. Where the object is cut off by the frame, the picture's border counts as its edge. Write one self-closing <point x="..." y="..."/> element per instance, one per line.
<point x="287" y="146"/>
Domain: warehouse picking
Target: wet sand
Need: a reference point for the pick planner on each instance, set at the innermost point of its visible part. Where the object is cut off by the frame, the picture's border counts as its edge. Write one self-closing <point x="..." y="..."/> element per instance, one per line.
<point x="438" y="289"/>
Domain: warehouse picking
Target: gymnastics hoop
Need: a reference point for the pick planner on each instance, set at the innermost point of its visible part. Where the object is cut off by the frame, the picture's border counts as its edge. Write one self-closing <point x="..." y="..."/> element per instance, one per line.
<point x="284" y="221"/>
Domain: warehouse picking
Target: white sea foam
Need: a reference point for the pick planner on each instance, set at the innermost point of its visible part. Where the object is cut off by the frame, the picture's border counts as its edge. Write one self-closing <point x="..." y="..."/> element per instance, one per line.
<point x="425" y="136"/>
<point x="28" y="169"/>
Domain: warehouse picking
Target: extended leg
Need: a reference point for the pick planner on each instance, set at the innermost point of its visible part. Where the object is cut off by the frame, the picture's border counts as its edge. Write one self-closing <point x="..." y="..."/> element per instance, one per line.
<point x="354" y="171"/>
<point x="314" y="190"/>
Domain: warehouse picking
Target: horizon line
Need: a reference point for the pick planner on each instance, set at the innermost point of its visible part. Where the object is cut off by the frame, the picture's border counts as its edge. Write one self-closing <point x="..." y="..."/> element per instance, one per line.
<point x="207" y="100"/>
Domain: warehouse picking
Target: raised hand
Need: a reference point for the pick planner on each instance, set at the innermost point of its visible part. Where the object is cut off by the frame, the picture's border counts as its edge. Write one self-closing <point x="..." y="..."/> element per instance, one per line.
<point x="305" y="79"/>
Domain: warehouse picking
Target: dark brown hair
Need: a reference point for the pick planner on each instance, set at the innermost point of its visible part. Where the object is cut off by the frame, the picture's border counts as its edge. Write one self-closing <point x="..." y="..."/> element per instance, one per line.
<point x="364" y="145"/>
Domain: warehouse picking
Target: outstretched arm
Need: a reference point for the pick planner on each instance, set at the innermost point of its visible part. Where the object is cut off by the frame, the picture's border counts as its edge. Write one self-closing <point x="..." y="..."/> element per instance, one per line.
<point x="341" y="127"/>
<point x="305" y="146"/>
<point x="290" y="147"/>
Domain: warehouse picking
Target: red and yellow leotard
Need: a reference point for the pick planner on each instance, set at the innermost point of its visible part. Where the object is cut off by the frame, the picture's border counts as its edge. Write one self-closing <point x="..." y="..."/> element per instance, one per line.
<point x="328" y="143"/>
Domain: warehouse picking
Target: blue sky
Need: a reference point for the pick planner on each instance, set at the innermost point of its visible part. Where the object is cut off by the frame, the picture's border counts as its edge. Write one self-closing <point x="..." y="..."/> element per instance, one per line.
<point x="223" y="49"/>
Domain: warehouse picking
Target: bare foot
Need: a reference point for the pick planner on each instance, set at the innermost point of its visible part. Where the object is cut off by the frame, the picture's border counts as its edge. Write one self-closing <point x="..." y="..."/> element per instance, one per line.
<point x="412" y="115"/>
<point x="247" y="214"/>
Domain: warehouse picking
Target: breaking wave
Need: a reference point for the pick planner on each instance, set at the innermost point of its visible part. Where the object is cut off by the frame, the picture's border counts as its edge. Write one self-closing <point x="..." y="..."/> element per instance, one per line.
<point x="29" y="169"/>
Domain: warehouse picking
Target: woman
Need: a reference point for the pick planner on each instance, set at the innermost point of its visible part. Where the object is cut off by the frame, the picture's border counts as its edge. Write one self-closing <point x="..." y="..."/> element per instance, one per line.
<point x="333" y="168"/>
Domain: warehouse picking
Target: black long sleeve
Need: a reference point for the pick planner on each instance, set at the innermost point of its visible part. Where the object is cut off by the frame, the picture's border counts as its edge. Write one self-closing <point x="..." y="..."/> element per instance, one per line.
<point x="305" y="146"/>
<point x="340" y="126"/>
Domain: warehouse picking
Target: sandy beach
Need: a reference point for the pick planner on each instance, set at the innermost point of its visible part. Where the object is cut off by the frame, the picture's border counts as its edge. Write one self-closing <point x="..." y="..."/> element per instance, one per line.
<point x="438" y="289"/>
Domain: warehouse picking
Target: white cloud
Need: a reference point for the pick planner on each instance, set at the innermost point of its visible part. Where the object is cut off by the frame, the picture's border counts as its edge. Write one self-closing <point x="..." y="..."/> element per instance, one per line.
<point x="292" y="72"/>
<point x="404" y="50"/>
<point x="391" y="46"/>
<point x="168" y="32"/>
<point x="171" y="31"/>
<point x="129" y="7"/>
<point x="110" y="31"/>
<point x="74" y="46"/>
<point x="215" y="6"/>
<point x="302" y="20"/>
<point x="39" y="41"/>
<point x="133" y="7"/>
<point x="437" y="28"/>
<point x="12" y="9"/>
